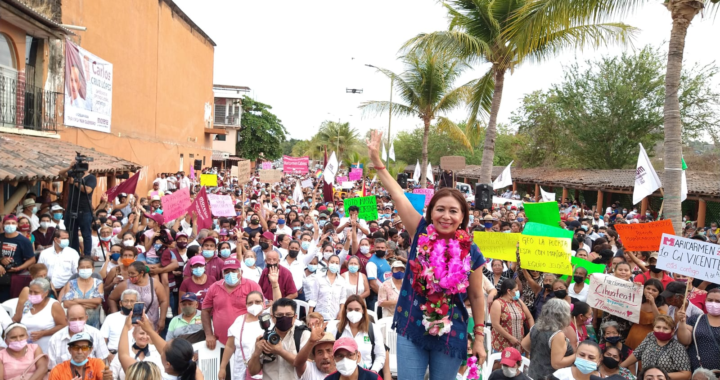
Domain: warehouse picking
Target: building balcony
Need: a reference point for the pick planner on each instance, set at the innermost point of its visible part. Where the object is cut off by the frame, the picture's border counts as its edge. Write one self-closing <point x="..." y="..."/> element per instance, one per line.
<point x="228" y="121"/>
<point x="25" y="106"/>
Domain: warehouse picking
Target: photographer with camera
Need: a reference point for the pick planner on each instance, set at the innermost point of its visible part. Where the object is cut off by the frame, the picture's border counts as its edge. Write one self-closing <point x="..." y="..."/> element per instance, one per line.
<point x="276" y="349"/>
<point x="79" y="211"/>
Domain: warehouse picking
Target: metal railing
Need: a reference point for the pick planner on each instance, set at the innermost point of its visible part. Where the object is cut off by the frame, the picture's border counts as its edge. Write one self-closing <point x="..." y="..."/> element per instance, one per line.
<point x="227" y="120"/>
<point x="28" y="107"/>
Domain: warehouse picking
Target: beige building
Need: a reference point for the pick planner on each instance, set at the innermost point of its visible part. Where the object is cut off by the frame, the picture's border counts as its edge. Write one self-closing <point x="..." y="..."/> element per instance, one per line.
<point x="228" y="111"/>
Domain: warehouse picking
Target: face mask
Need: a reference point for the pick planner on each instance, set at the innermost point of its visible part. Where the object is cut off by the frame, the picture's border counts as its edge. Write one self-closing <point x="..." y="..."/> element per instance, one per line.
<point x="18" y="345"/>
<point x="182" y="244"/>
<point x="547" y="286"/>
<point x="336" y="223"/>
<point x="312" y="268"/>
<point x="250" y="262"/>
<point x="189" y="310"/>
<point x="610" y="362"/>
<point x="281" y="221"/>
<point x="308" y="225"/>
<point x="225" y="253"/>
<point x="284" y="323"/>
<point x="78" y="364"/>
<point x="254" y="309"/>
<point x="327" y="255"/>
<point x="157" y="246"/>
<point x="296" y="228"/>
<point x="76" y="326"/>
<point x="353" y="268"/>
<point x="264" y="245"/>
<point x="322" y="222"/>
<point x="305" y="245"/>
<point x="663" y="337"/>
<point x="129" y="243"/>
<point x="231" y="278"/>
<point x="254" y="222"/>
<point x="85" y="273"/>
<point x="208" y="253"/>
<point x="578" y="279"/>
<point x="380" y="254"/>
<point x="127" y="262"/>
<point x="602" y="234"/>
<point x="517" y="295"/>
<point x="346" y="367"/>
<point x="10" y="228"/>
<point x="198" y="272"/>
<point x="64" y="243"/>
<point x="613" y="339"/>
<point x="488" y="226"/>
<point x="713" y="308"/>
<point x="654" y="269"/>
<point x="398" y="275"/>
<point x="293" y="254"/>
<point x="560" y="294"/>
<point x="335" y="268"/>
<point x="520" y="220"/>
<point x="44" y="225"/>
<point x="354" y="316"/>
<point x="509" y="372"/>
<point x="35" y="298"/>
<point x="115" y="257"/>
<point x="585" y="366"/>
<point x="57" y="216"/>
<point x="364" y="249"/>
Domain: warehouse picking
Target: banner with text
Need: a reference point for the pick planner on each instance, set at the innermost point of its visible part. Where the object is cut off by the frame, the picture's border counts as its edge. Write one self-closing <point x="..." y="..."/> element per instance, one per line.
<point x="341" y="179"/>
<point x="201" y="207"/>
<point x="296" y="165"/>
<point x="243" y="172"/>
<point x="545" y="254"/>
<point x="644" y="236"/>
<point x="497" y="245"/>
<point x="367" y="206"/>
<point x="615" y="296"/>
<point x="88" y="89"/>
<point x="267" y="165"/>
<point x="356" y="174"/>
<point x="690" y="257"/>
<point x="221" y="205"/>
<point x="427" y="192"/>
<point x="270" y="176"/>
<point x="176" y="204"/>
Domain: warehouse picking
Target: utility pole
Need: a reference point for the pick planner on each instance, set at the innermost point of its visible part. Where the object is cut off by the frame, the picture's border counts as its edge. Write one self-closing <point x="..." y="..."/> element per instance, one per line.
<point x="392" y="83"/>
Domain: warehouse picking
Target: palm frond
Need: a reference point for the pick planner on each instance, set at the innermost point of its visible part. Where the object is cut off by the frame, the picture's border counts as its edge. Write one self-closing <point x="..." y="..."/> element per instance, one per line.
<point x="377" y="108"/>
<point x="452" y="43"/>
<point x="458" y="135"/>
<point x="480" y="97"/>
<point x="580" y="36"/>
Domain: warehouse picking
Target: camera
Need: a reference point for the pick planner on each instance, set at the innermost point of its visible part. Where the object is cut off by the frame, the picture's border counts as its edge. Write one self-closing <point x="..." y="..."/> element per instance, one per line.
<point x="270" y="336"/>
<point x="81" y="165"/>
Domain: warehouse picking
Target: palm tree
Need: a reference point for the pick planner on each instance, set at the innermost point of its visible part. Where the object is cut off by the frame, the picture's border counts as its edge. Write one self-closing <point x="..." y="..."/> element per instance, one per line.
<point x="353" y="158"/>
<point x="426" y="88"/>
<point x="339" y="137"/>
<point x="495" y="32"/>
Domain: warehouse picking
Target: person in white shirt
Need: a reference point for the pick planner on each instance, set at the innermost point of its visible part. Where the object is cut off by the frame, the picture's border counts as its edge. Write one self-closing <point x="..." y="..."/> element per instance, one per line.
<point x="345" y="223"/>
<point x="57" y="215"/>
<point x="184" y="182"/>
<point x="113" y="325"/>
<point x="141" y="350"/>
<point x="355" y="323"/>
<point x="29" y="208"/>
<point x="60" y="260"/>
<point x="282" y="228"/>
<point x="57" y="347"/>
<point x="242" y="337"/>
<point x="296" y="262"/>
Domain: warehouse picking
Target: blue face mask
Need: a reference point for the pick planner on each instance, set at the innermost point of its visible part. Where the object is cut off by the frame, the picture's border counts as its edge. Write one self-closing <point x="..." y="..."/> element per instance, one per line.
<point x="312" y="268"/>
<point x="10" y="228"/>
<point x="281" y="221"/>
<point x="305" y="245"/>
<point x="517" y="295"/>
<point x="322" y="223"/>
<point x="208" y="253"/>
<point x="199" y="271"/>
<point x="398" y="275"/>
<point x="488" y="226"/>
<point x="225" y="253"/>
<point x="231" y="278"/>
<point x="57" y="216"/>
<point x="157" y="246"/>
<point x="334" y="268"/>
<point x="296" y="228"/>
<point x="520" y="220"/>
<point x="82" y="363"/>
<point x="585" y="366"/>
<point x="353" y="268"/>
<point x="250" y="261"/>
<point x="584" y="227"/>
<point x="115" y="256"/>
<point x="308" y="225"/>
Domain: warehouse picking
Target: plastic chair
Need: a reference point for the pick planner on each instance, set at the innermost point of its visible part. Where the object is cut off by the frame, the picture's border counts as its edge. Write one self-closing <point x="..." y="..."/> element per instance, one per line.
<point x="301" y="305"/>
<point x="487" y="368"/>
<point x="391" y="341"/>
<point x="10" y="306"/>
<point x="488" y="339"/>
<point x="384" y="324"/>
<point x="209" y="360"/>
<point x="374" y="315"/>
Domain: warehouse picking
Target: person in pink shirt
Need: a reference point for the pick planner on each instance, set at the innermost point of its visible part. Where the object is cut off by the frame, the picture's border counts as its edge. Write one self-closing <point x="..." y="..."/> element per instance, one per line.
<point x="224" y="302"/>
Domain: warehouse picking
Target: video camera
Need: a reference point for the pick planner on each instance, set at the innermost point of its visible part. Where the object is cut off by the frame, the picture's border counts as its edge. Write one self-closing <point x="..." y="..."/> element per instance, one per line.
<point x="81" y="165"/>
<point x="270" y="336"/>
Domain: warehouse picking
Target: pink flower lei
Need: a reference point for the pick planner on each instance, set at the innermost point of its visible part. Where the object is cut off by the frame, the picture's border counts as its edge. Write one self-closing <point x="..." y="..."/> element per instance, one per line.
<point x="441" y="270"/>
<point x="474" y="372"/>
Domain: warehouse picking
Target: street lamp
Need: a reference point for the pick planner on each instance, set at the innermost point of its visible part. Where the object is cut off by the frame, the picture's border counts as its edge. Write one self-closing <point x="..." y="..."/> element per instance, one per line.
<point x="392" y="82"/>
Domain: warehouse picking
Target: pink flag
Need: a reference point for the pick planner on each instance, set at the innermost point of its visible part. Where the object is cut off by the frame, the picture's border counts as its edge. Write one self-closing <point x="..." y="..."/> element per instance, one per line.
<point x="201" y="206"/>
<point x="192" y="172"/>
<point x="128" y="187"/>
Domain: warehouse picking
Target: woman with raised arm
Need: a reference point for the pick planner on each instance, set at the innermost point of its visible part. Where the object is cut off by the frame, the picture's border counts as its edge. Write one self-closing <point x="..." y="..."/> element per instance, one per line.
<point x="443" y="263"/>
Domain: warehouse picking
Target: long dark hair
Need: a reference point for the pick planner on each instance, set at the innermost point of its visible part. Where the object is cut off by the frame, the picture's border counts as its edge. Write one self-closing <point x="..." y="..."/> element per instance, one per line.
<point x="179" y="353"/>
<point x="449" y="192"/>
<point x="659" y="300"/>
<point x="507" y="285"/>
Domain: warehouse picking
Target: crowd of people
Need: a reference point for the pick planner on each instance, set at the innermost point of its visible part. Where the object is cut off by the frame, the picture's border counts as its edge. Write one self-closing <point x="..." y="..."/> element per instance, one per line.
<point x="297" y="286"/>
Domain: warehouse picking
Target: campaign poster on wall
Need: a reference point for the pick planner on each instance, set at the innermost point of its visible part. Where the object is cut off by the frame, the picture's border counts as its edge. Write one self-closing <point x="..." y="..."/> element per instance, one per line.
<point x="88" y="89"/>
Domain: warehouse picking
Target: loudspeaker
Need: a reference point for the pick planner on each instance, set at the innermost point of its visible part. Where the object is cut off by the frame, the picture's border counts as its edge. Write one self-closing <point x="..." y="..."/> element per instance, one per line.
<point x="483" y="196"/>
<point x="198" y="164"/>
<point x="402" y="180"/>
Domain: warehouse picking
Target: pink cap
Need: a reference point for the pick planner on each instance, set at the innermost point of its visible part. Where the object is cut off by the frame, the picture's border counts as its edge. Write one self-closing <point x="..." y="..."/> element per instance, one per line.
<point x="510" y="357"/>
<point x="231" y="264"/>
<point x="268" y="235"/>
<point x="345" y="343"/>
<point x="9" y="217"/>
<point x="196" y="260"/>
<point x="158" y="218"/>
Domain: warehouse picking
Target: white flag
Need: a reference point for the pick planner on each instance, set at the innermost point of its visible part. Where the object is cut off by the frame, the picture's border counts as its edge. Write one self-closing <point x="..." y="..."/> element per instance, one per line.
<point x="504" y="179"/>
<point x="683" y="183"/>
<point x="392" y="151"/>
<point x="297" y="193"/>
<point x="416" y="173"/>
<point x="646" y="180"/>
<point x="547" y="197"/>
<point x="384" y="153"/>
<point x="331" y="169"/>
<point x="374" y="178"/>
<point x="429" y="174"/>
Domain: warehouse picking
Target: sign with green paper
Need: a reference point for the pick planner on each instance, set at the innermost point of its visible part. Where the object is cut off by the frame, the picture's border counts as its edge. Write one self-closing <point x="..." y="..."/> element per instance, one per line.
<point x="590" y="267"/>
<point x="544" y="213"/>
<point x="367" y="206"/>
<point x="537" y="229"/>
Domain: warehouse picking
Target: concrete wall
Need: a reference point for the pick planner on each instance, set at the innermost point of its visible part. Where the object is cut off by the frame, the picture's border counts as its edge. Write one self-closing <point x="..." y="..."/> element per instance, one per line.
<point x="163" y="73"/>
<point x="230" y="143"/>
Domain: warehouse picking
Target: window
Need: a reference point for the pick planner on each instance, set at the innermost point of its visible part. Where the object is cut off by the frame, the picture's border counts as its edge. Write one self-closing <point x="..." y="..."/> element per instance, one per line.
<point x="220" y="137"/>
<point x="8" y="82"/>
<point x="7" y="53"/>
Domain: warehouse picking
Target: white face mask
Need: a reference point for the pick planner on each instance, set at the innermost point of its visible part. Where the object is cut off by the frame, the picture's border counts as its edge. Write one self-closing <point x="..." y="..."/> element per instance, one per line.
<point x="346" y="367"/>
<point x="255" y="309"/>
<point x="509" y="372"/>
<point x="128" y="243"/>
<point x="364" y="249"/>
<point x="354" y="316"/>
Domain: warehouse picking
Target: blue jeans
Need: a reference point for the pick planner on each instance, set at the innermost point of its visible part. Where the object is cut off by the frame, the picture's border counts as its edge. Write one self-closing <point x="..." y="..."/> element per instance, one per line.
<point x="415" y="362"/>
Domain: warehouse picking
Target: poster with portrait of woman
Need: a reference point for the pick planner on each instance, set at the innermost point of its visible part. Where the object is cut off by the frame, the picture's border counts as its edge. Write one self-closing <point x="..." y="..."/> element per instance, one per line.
<point x="88" y="89"/>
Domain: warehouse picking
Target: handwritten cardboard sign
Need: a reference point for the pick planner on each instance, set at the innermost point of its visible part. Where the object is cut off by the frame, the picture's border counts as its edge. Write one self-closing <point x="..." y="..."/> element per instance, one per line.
<point x="644" y="236"/>
<point x="243" y="172"/>
<point x="208" y="180"/>
<point x="348" y="185"/>
<point x="427" y="192"/>
<point x="267" y="165"/>
<point x="545" y="254"/>
<point x="497" y="245"/>
<point x="270" y="176"/>
<point x="367" y="206"/>
<point x="615" y="296"/>
<point x="175" y="204"/>
<point x="307" y="183"/>
<point x="356" y="174"/>
<point x="546" y="213"/>
<point x="689" y="257"/>
<point x="221" y="205"/>
<point x="234" y="171"/>
<point x="452" y="163"/>
<point x="341" y="179"/>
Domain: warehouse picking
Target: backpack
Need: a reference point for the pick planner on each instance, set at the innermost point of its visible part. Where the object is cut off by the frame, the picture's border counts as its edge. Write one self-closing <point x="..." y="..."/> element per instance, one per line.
<point x="371" y="335"/>
<point x="299" y="330"/>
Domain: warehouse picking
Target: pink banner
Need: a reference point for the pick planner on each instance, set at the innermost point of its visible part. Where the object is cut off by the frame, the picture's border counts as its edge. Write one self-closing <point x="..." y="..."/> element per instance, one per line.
<point x="356" y="174"/>
<point x="267" y="165"/>
<point x="427" y="192"/>
<point x="176" y="204"/>
<point x="201" y="207"/>
<point x="340" y="180"/>
<point x="221" y="205"/>
<point x="296" y="165"/>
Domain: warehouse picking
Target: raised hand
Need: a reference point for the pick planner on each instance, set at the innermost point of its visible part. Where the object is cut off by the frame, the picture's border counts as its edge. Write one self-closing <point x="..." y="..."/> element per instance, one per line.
<point x="373" y="145"/>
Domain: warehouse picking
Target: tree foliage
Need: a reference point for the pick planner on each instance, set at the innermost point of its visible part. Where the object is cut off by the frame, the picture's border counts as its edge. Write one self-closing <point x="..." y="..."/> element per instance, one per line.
<point x="261" y="133"/>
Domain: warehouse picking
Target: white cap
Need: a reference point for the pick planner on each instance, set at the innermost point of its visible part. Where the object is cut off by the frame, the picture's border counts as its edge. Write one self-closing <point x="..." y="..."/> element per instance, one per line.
<point x="56" y="208"/>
